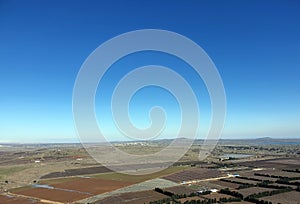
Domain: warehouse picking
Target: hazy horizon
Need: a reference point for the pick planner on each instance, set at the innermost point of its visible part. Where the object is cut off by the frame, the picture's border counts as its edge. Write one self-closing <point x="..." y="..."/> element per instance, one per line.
<point x="74" y="141"/>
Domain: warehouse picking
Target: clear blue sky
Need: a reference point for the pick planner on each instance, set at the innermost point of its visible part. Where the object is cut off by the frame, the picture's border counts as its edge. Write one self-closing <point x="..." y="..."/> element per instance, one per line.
<point x="254" y="44"/>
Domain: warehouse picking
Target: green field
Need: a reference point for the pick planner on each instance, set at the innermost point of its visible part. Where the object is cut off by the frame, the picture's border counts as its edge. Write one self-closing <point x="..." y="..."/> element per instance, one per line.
<point x="5" y="171"/>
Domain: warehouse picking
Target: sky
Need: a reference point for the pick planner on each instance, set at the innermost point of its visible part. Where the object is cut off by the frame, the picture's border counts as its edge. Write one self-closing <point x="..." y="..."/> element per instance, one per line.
<point x="255" y="46"/>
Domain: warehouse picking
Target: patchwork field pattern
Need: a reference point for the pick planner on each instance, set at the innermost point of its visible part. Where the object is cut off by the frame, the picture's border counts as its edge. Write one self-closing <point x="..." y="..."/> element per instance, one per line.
<point x="193" y="174"/>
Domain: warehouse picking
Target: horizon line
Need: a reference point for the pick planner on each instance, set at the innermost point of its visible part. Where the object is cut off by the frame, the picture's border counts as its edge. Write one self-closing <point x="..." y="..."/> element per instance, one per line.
<point x="130" y="141"/>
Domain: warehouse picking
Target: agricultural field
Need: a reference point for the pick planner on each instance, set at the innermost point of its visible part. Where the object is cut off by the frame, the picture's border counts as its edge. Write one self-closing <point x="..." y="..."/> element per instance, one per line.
<point x="133" y="198"/>
<point x="182" y="200"/>
<point x="66" y="174"/>
<point x="249" y="191"/>
<point x="53" y="194"/>
<point x="140" y="178"/>
<point x="240" y="180"/>
<point x="77" y="172"/>
<point x="223" y="184"/>
<point x="216" y="196"/>
<point x="276" y="163"/>
<point x="71" y="189"/>
<point x="251" y="175"/>
<point x="180" y="190"/>
<point x="12" y="199"/>
<point x="194" y="174"/>
<point x="92" y="185"/>
<point x="278" y="173"/>
<point x="292" y="197"/>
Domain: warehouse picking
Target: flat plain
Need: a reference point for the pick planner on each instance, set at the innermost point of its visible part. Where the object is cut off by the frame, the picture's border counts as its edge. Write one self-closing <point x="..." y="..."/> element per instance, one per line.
<point x="65" y="173"/>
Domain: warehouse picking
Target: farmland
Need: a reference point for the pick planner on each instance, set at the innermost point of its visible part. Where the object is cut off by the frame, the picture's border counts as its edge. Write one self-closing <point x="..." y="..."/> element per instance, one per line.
<point x="287" y="198"/>
<point x="92" y="186"/>
<point x="194" y="174"/>
<point x="249" y="191"/>
<point x="180" y="190"/>
<point x="53" y="194"/>
<point x="11" y="199"/>
<point x="223" y="184"/>
<point x="134" y="198"/>
<point x="67" y="174"/>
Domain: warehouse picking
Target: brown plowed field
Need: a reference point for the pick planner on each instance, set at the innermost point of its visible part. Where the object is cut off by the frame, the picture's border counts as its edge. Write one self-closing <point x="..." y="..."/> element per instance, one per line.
<point x="5" y="199"/>
<point x="292" y="197"/>
<point x="92" y="185"/>
<point x="74" y="190"/>
<point x="53" y="194"/>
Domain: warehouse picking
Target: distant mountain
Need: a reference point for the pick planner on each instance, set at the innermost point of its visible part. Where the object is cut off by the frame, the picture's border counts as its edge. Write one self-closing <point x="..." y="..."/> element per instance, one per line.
<point x="262" y="141"/>
<point x="264" y="138"/>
